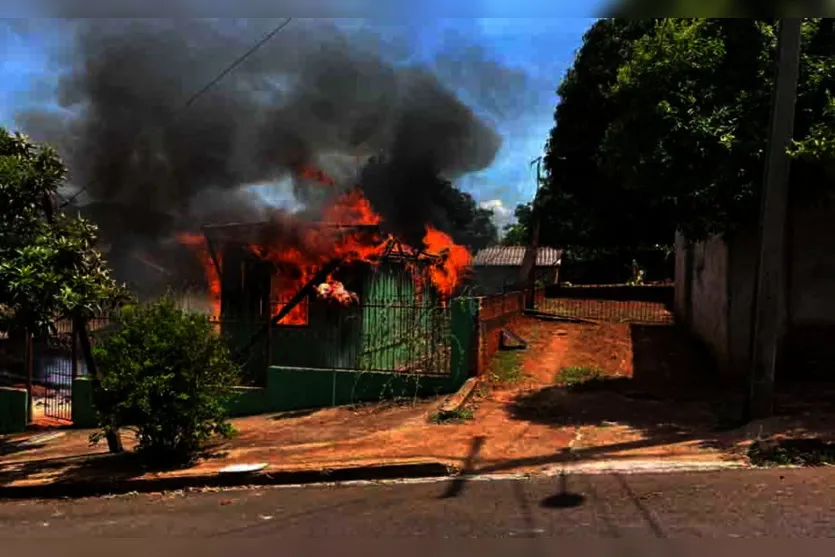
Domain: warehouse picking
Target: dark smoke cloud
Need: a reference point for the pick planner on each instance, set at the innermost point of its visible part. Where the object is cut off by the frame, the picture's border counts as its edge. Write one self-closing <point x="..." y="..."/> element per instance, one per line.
<point x="314" y="91"/>
<point x="314" y="94"/>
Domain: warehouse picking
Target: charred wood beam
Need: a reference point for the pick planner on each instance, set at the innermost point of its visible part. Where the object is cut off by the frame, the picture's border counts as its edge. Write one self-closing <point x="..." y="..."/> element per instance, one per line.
<point x="212" y="253"/>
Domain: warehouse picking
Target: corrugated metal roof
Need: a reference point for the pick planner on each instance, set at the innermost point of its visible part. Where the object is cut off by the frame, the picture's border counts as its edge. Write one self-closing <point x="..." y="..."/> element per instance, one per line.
<point x="512" y="256"/>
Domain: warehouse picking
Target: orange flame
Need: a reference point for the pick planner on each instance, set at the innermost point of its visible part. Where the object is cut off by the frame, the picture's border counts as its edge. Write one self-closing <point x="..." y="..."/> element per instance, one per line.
<point x="455" y="264"/>
<point x="314" y="174"/>
<point x="197" y="243"/>
<point x="352" y="208"/>
<point x="298" y="259"/>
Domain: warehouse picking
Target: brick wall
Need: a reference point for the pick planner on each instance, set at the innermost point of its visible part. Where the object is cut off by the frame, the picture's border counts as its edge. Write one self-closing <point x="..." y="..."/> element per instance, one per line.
<point x="495" y="313"/>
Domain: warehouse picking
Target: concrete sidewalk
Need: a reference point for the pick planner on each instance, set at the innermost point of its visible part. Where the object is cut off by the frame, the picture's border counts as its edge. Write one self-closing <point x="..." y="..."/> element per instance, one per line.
<point x="375" y="442"/>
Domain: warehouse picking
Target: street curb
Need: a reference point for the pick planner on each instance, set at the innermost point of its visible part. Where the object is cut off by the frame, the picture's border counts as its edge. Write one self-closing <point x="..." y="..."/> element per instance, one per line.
<point x="95" y="488"/>
<point x="640" y="466"/>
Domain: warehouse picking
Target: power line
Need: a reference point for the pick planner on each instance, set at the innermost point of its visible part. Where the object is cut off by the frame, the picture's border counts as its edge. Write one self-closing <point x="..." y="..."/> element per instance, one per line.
<point x="237" y="62"/>
<point x="211" y="84"/>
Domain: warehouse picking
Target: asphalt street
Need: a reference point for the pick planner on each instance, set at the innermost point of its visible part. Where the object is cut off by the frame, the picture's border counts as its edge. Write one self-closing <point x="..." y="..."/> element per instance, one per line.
<point x="741" y="503"/>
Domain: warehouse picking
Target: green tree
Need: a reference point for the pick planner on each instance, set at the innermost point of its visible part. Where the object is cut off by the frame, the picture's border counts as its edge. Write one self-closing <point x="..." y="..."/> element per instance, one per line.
<point x="679" y="133"/>
<point x="166" y="374"/>
<point x="518" y="233"/>
<point x="49" y="267"/>
<point x="580" y="204"/>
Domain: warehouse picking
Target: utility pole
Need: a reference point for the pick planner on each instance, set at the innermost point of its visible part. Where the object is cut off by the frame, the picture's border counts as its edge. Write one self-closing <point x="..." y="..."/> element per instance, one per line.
<point x="528" y="272"/>
<point x="769" y="319"/>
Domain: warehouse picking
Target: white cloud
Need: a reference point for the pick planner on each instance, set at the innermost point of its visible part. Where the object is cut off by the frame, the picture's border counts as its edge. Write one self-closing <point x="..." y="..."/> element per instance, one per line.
<point x="502" y="215"/>
<point x="497" y="206"/>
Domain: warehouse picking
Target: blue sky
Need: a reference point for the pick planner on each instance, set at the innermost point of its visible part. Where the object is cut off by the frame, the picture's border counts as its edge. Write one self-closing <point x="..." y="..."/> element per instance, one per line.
<point x="539" y="49"/>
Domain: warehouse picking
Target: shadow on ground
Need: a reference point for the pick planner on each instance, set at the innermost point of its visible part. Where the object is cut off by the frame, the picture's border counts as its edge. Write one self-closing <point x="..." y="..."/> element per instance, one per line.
<point x="674" y="394"/>
<point x="84" y="469"/>
<point x="14" y="446"/>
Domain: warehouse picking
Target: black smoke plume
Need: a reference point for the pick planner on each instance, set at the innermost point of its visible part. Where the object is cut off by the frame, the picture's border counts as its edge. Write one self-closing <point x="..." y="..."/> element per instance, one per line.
<point x="315" y="95"/>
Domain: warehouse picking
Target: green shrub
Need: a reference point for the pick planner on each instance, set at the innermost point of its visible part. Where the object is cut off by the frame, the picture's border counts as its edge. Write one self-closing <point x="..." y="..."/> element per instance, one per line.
<point x="168" y="376"/>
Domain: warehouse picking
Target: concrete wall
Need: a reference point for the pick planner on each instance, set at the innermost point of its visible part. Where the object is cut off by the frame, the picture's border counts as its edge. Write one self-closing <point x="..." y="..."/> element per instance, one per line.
<point x="494" y="314"/>
<point x="708" y="315"/>
<point x="742" y="270"/>
<point x="812" y="266"/>
<point x="810" y="291"/>
<point x="14" y="404"/>
<point x="811" y="300"/>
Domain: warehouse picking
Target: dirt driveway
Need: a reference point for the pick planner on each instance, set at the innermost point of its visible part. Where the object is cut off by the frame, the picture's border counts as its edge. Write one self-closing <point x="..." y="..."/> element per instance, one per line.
<point x="652" y="397"/>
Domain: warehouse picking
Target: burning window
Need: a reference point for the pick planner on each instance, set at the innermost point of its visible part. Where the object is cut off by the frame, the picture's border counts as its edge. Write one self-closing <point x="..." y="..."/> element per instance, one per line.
<point x="284" y="288"/>
<point x="297" y="317"/>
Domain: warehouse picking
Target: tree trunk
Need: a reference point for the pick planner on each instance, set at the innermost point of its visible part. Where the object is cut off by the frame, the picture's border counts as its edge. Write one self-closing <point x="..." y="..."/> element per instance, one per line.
<point x="114" y="440"/>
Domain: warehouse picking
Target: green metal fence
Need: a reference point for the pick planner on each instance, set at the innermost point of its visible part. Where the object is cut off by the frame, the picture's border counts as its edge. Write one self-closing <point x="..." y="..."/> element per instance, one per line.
<point x="394" y="326"/>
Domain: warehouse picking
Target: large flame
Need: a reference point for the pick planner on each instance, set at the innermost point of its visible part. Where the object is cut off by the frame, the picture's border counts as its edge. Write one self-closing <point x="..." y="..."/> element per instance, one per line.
<point x="197" y="243"/>
<point x="456" y="261"/>
<point x="346" y="232"/>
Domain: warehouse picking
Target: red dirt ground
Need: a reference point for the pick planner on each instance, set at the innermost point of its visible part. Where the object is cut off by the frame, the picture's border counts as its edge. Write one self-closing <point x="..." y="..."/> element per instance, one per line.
<point x="660" y="402"/>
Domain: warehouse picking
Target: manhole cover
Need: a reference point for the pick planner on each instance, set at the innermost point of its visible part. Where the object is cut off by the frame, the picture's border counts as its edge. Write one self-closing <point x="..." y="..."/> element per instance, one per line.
<point x="243" y="468"/>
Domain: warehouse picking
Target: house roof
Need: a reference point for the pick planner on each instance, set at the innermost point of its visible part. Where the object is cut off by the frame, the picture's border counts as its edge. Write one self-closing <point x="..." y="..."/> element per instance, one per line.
<point x="512" y="256"/>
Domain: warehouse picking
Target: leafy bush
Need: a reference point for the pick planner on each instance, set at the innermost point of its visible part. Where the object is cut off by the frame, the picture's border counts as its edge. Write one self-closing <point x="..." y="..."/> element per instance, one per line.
<point x="792" y="452"/>
<point x="167" y="375"/>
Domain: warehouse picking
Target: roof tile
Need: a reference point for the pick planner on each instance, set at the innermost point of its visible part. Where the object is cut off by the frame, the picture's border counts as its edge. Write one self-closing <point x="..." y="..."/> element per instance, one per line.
<point x="512" y="256"/>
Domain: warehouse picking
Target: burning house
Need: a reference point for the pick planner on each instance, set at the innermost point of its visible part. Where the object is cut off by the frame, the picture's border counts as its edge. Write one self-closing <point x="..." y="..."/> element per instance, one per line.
<point x="153" y="172"/>
<point x="338" y="293"/>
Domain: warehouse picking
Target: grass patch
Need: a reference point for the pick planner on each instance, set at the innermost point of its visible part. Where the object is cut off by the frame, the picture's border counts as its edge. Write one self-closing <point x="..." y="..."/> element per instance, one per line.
<point x="453" y="417"/>
<point x="506" y="367"/>
<point x="792" y="452"/>
<point x="577" y="375"/>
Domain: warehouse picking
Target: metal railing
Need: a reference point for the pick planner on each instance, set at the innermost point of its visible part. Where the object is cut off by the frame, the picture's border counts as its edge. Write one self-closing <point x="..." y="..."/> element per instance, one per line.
<point x="388" y="336"/>
<point x="610" y="302"/>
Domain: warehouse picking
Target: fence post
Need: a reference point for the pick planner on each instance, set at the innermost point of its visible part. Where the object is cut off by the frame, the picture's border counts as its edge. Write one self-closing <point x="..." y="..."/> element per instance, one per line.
<point x="74" y="350"/>
<point x="464" y="338"/>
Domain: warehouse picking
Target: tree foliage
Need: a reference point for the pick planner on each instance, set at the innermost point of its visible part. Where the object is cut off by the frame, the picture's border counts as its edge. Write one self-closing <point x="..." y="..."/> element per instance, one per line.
<point x="676" y="115"/>
<point x="169" y="376"/>
<point x="47" y="269"/>
<point x="718" y="8"/>
<point x="518" y="233"/>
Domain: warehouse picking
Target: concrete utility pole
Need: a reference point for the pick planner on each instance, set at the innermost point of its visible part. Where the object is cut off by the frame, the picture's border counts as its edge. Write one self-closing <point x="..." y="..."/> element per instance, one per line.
<point x="528" y="272"/>
<point x="769" y="323"/>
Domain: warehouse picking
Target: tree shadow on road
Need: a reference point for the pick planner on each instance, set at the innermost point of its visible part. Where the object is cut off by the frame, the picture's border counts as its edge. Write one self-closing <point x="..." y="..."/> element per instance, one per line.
<point x="82" y="475"/>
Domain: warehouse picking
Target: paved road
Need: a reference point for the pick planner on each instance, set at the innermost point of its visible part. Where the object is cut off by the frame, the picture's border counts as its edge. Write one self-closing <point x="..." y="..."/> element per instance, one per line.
<point x="731" y="503"/>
